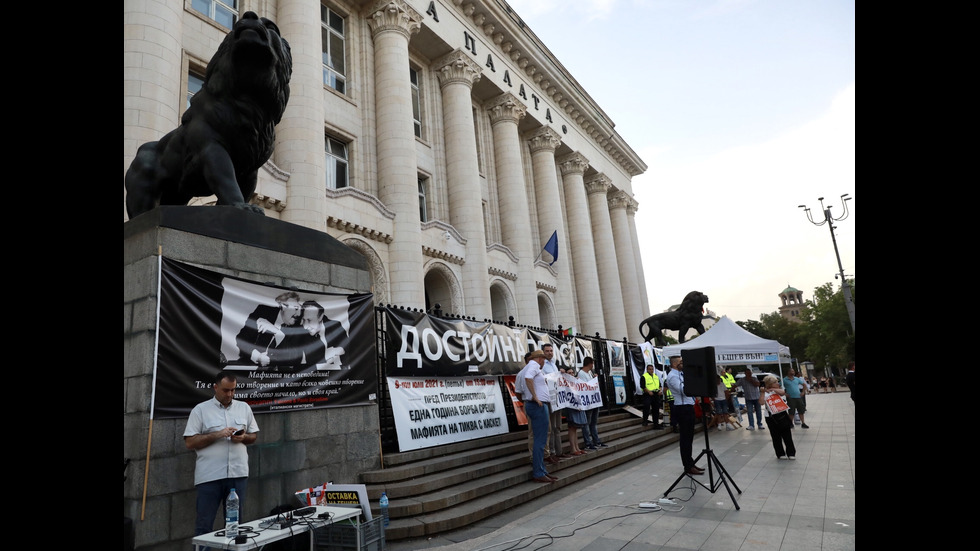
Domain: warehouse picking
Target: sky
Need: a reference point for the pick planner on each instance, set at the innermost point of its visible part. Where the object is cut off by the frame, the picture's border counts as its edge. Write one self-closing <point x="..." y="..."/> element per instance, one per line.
<point x="742" y="110"/>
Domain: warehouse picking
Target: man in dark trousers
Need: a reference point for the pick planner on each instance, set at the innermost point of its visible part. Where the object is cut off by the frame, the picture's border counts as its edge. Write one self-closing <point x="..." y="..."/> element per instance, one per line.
<point x="651" y="397"/>
<point x="850" y="379"/>
<point x="218" y="430"/>
<point x="683" y="411"/>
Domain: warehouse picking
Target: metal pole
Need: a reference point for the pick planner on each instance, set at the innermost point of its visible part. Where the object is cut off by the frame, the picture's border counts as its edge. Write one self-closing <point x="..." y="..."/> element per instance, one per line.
<point x="845" y="286"/>
<point x="829" y="220"/>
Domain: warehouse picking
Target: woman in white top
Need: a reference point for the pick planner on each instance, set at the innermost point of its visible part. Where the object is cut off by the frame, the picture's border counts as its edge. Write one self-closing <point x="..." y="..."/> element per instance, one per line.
<point x="780" y="423"/>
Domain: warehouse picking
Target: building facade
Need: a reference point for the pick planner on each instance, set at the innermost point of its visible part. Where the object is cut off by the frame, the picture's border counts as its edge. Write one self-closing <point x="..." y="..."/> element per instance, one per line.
<point x="438" y="138"/>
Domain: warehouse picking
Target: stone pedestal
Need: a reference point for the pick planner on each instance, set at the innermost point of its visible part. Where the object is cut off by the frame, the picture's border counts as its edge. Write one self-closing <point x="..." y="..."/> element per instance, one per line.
<point x="294" y="448"/>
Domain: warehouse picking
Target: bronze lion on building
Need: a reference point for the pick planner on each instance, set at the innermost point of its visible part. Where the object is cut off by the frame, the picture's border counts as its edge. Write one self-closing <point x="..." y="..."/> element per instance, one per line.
<point x="227" y="133"/>
<point x="687" y="316"/>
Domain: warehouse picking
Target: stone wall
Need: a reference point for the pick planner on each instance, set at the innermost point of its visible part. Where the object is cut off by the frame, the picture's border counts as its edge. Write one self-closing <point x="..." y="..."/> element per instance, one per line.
<point x="294" y="449"/>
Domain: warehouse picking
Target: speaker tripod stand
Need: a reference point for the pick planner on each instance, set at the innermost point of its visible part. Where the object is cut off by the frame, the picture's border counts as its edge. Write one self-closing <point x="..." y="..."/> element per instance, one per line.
<point x="713" y="484"/>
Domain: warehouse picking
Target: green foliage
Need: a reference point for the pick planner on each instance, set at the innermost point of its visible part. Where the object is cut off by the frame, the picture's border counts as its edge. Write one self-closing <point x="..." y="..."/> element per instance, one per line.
<point x="825" y="336"/>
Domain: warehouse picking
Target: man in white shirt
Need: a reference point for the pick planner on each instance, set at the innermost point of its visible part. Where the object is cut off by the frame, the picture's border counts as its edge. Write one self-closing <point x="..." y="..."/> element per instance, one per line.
<point x="520" y="386"/>
<point x="536" y="406"/>
<point x="218" y="431"/>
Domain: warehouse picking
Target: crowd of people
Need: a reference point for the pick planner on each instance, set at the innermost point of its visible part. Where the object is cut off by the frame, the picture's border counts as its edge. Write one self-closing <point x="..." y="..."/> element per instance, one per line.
<point x="535" y="386"/>
<point x="219" y="429"/>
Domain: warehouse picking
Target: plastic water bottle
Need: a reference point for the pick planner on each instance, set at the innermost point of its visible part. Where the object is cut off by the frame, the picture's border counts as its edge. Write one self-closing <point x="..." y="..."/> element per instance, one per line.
<point x="231" y="514"/>
<point x="384" y="507"/>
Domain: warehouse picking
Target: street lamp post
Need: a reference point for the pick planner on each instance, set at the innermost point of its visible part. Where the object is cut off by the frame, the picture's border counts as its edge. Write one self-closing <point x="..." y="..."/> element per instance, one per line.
<point x="829" y="220"/>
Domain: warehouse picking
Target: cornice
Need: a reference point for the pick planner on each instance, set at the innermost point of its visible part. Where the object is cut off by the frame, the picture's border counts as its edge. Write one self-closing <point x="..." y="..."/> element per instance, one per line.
<point x="445" y="227"/>
<point x="501" y="273"/>
<point x="542" y="264"/>
<point x="364" y="231"/>
<point x="363" y="196"/>
<point x="546" y="287"/>
<point x="509" y="34"/>
<point x="504" y="249"/>
<point x="442" y="255"/>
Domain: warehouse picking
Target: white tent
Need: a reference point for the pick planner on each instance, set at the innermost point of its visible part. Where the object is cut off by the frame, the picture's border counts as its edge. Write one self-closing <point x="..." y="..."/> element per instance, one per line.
<point x="734" y="345"/>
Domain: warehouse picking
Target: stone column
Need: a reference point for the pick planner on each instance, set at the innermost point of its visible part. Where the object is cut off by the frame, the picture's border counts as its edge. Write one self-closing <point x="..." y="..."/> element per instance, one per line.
<point x="543" y="142"/>
<point x="392" y="22"/>
<point x="300" y="143"/>
<point x="640" y="277"/>
<point x="505" y="111"/>
<point x="605" y="251"/>
<point x="581" y="246"/>
<point x="627" y="263"/>
<point x="457" y="73"/>
<point x="152" y="97"/>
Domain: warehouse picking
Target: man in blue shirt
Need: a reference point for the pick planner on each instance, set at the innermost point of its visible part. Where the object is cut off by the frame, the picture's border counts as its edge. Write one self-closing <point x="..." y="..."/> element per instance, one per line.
<point x="796" y="404"/>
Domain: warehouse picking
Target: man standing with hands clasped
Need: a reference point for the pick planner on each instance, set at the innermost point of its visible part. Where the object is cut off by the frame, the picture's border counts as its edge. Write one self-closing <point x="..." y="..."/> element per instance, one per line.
<point x="683" y="411"/>
<point x="651" y="398"/>
<point x="218" y="431"/>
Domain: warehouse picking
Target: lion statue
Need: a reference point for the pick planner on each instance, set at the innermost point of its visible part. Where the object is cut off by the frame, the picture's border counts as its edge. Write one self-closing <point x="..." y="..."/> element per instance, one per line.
<point x="687" y="316"/>
<point x="227" y="133"/>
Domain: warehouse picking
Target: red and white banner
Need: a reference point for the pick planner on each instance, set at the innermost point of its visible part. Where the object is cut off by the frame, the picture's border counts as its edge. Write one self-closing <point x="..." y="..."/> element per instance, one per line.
<point x="776" y="403"/>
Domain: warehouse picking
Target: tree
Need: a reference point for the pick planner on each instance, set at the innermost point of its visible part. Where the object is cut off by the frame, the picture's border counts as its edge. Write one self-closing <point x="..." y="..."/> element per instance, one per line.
<point x="831" y="341"/>
<point x="824" y="338"/>
<point x="754" y="327"/>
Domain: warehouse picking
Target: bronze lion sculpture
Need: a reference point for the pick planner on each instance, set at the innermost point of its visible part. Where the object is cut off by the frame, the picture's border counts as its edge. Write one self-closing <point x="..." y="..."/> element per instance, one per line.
<point x="227" y="133"/>
<point x="687" y="316"/>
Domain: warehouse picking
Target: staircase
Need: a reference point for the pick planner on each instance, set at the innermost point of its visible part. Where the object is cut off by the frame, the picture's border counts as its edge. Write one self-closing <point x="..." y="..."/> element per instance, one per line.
<point x="440" y="489"/>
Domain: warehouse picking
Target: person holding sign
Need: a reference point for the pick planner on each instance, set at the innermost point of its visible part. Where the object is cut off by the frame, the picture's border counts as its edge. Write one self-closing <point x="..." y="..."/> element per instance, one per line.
<point x="778" y="419"/>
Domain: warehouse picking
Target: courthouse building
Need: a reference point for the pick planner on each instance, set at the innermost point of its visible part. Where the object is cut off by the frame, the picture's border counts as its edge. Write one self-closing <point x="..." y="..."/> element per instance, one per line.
<point x="438" y="138"/>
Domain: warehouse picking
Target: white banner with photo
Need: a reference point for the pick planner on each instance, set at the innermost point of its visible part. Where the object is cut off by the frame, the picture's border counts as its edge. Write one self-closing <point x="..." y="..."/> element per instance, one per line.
<point x="432" y="411"/>
<point x="617" y="358"/>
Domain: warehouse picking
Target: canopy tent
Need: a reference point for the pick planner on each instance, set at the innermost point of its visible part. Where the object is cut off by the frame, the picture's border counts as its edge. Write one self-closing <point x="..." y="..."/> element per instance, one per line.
<point x="734" y="345"/>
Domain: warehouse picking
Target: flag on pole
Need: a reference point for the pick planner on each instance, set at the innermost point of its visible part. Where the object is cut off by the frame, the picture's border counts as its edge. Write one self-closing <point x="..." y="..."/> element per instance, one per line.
<point x="570" y="332"/>
<point x="551" y="247"/>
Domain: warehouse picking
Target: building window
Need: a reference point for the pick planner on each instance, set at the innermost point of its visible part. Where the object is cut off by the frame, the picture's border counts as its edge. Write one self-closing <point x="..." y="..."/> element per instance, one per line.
<point x="413" y="75"/>
<point x="332" y="37"/>
<point x="423" y="212"/>
<point x="224" y="12"/>
<point x="336" y="164"/>
<point x="194" y="84"/>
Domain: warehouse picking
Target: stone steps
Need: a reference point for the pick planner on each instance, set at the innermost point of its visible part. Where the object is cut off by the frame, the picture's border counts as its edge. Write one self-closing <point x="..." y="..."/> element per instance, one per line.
<point x="445" y="488"/>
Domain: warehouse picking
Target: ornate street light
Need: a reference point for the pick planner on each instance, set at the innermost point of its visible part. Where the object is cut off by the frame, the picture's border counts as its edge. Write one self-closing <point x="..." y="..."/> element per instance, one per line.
<point x="829" y="220"/>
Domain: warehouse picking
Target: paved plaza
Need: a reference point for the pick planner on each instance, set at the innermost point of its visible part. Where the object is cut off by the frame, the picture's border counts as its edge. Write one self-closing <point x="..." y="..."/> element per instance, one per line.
<point x="799" y="505"/>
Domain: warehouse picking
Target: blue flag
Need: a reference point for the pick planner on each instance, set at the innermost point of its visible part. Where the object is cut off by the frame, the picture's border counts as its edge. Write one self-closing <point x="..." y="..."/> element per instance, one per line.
<point x="552" y="247"/>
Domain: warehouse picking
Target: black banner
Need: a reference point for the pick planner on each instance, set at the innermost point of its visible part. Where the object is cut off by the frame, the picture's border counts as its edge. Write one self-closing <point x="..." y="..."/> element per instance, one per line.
<point x="420" y="345"/>
<point x="291" y="349"/>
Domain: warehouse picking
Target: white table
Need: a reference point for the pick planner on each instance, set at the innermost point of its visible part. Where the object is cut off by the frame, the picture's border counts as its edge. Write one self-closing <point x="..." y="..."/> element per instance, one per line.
<point x="257" y="537"/>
